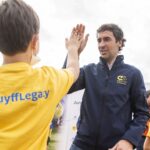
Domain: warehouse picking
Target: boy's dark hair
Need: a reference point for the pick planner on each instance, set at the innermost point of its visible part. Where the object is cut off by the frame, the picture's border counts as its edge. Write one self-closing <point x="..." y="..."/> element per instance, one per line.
<point x="18" y="24"/>
<point x="116" y="30"/>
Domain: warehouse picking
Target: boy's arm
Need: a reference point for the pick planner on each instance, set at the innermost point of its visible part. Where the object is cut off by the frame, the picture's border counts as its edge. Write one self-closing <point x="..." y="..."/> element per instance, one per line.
<point x="79" y="84"/>
<point x="73" y="44"/>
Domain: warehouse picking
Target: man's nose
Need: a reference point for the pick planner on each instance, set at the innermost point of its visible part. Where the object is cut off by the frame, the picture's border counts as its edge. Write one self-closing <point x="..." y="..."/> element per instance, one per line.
<point x="101" y="44"/>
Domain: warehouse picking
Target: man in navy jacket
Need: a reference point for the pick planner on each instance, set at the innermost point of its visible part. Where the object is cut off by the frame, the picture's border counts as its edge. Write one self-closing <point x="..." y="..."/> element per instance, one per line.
<point x="114" y="109"/>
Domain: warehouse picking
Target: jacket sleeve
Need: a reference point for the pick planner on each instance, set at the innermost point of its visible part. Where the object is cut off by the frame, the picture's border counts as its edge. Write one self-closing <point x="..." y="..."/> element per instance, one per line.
<point x="80" y="82"/>
<point x="139" y="110"/>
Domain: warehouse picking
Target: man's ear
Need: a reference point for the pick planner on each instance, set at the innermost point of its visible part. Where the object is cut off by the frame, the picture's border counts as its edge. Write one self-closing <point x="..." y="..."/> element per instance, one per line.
<point x="120" y="43"/>
<point x="35" y="44"/>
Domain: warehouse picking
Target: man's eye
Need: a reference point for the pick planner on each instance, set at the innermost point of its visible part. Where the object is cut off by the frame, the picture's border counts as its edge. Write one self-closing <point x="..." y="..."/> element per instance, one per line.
<point x="107" y="39"/>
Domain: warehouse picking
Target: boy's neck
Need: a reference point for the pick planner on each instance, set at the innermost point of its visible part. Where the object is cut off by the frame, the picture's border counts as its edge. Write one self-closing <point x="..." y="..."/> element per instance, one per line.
<point x="19" y="57"/>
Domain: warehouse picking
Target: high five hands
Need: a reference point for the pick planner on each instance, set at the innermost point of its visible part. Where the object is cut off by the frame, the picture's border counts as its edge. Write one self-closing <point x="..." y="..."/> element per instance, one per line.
<point x="77" y="39"/>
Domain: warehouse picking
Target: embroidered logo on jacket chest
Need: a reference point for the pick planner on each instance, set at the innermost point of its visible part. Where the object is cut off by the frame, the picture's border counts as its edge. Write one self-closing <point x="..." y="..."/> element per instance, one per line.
<point x="121" y="79"/>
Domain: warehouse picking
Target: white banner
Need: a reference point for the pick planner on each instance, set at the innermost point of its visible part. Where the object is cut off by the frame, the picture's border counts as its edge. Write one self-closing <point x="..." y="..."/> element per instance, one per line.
<point x="68" y="129"/>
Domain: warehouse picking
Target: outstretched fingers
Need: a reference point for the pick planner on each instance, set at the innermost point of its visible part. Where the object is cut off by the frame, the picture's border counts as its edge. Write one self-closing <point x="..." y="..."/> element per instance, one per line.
<point x="80" y="31"/>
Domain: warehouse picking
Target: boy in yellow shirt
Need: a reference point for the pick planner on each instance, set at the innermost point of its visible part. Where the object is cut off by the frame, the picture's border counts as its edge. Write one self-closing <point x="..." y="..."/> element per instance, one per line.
<point x="147" y="140"/>
<point x="147" y="134"/>
<point x="28" y="97"/>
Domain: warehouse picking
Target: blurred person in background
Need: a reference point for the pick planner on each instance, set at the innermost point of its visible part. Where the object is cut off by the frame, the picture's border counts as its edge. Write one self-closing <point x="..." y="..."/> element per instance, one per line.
<point x="147" y="134"/>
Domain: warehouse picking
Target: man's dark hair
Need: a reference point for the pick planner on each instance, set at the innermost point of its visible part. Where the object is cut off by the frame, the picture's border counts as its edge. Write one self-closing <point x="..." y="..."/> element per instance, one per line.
<point x="18" y="24"/>
<point x="116" y="30"/>
<point x="147" y="93"/>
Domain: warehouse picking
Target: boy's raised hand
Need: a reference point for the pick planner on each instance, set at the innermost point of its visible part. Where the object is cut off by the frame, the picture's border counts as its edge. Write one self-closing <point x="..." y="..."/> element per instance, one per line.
<point x="77" y="40"/>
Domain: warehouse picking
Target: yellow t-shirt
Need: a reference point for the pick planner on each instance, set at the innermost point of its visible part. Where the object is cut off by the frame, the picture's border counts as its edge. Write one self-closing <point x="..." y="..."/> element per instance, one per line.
<point x="147" y="132"/>
<point x="28" y="98"/>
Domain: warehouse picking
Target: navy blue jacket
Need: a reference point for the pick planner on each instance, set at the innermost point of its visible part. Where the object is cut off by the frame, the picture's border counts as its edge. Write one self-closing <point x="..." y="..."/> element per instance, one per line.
<point x="113" y="105"/>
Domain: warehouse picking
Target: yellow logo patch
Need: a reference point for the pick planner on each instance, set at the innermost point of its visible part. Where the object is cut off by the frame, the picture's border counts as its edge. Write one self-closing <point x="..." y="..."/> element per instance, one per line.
<point x="121" y="79"/>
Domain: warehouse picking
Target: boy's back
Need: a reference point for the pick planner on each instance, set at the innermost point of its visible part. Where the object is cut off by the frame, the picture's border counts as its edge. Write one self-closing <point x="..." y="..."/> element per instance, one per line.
<point x="29" y="98"/>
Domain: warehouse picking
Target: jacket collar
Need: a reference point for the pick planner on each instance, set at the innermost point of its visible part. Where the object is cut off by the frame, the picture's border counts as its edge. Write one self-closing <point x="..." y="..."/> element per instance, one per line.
<point x="119" y="60"/>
